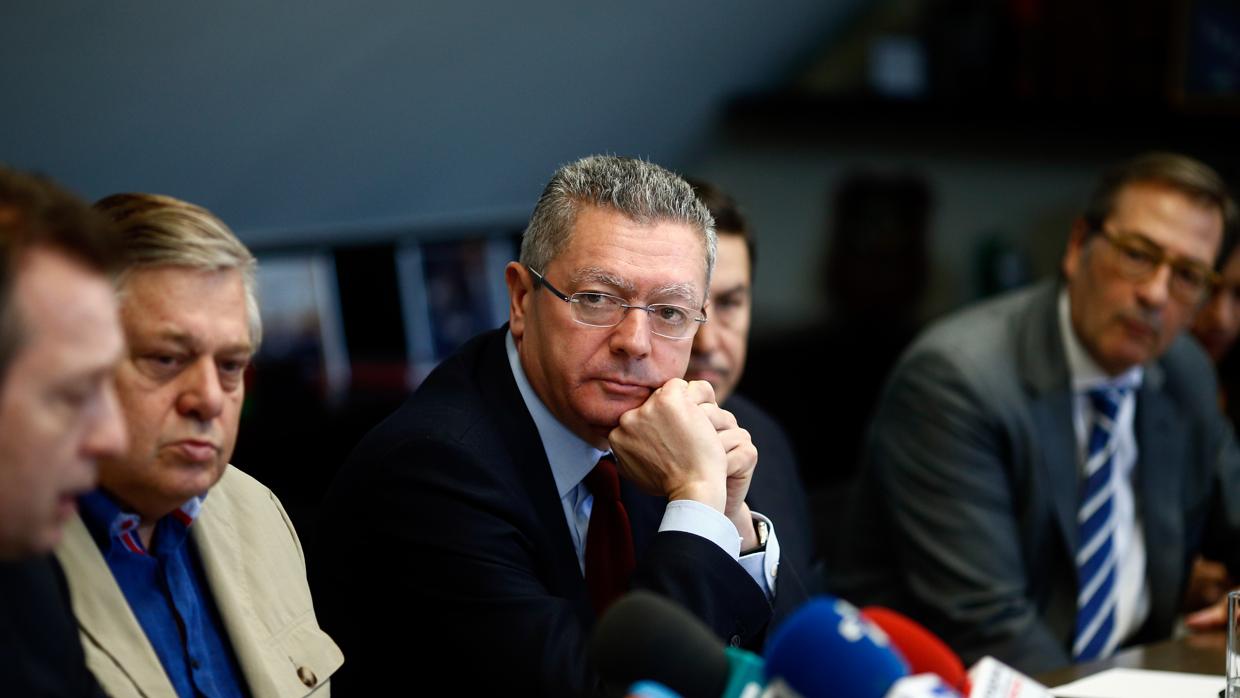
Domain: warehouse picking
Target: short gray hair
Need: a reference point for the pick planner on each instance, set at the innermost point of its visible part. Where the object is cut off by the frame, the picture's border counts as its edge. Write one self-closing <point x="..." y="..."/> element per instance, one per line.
<point x="160" y="231"/>
<point x="642" y="191"/>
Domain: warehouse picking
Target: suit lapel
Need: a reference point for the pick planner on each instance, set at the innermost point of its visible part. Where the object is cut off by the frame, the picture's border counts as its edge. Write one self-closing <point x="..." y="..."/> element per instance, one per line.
<point x="1044" y="369"/>
<point x="508" y="412"/>
<point x="645" y="513"/>
<point x="217" y="543"/>
<point x="1052" y="416"/>
<point x="1161" y="435"/>
<point x="103" y="613"/>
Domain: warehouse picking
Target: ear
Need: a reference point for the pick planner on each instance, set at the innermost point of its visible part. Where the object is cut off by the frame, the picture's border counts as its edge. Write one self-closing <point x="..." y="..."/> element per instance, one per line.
<point x="1074" y="254"/>
<point x="520" y="296"/>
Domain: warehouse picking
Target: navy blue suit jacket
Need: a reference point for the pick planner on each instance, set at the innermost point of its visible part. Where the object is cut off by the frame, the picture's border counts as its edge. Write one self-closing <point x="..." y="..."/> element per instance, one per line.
<point x="443" y="548"/>
<point x="777" y="493"/>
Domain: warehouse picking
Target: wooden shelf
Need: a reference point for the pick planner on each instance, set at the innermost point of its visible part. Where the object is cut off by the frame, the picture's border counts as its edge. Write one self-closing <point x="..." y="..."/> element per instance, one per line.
<point x="987" y="127"/>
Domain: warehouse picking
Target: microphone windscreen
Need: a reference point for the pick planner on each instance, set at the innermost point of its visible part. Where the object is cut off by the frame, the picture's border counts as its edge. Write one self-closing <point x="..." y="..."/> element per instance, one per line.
<point x="826" y="649"/>
<point x="645" y="637"/>
<point x="922" y="649"/>
<point x="651" y="689"/>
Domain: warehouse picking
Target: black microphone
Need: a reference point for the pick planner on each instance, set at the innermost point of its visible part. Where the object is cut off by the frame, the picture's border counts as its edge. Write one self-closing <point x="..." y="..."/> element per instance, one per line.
<point x="645" y="637"/>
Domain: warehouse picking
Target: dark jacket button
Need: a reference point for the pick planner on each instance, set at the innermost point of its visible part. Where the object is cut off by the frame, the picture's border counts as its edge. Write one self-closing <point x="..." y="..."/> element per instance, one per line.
<point x="307" y="677"/>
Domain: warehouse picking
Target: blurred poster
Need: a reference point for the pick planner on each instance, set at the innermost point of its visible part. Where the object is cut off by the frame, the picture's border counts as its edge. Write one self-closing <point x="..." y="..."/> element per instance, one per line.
<point x="1212" y="53"/>
<point x="450" y="291"/>
<point x="303" y="340"/>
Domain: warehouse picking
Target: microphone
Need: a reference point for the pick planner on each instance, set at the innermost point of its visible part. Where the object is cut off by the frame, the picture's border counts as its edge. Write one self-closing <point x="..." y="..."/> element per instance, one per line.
<point x="651" y="689"/>
<point x="645" y="637"/>
<point x="828" y="650"/>
<point x="825" y="650"/>
<point x="926" y="653"/>
<point x="922" y="649"/>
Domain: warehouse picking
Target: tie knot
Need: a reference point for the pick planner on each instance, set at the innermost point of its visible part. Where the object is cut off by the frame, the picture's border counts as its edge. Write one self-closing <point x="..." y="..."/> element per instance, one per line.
<point x="1107" y="399"/>
<point x="603" y="481"/>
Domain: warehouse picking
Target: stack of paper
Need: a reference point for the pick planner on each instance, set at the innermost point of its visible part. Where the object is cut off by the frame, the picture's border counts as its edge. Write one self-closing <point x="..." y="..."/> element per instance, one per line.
<point x="1142" y="683"/>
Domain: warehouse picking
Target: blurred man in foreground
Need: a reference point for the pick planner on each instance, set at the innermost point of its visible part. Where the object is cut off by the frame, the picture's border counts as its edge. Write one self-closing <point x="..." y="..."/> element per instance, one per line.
<point x="59" y="342"/>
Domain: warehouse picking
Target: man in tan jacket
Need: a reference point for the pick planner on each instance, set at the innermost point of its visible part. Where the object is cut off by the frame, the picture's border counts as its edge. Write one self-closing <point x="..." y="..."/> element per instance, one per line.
<point x="186" y="575"/>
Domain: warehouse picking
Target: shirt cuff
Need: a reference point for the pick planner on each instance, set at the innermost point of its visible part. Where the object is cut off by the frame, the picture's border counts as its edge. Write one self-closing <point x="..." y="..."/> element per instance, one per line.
<point x="688" y="516"/>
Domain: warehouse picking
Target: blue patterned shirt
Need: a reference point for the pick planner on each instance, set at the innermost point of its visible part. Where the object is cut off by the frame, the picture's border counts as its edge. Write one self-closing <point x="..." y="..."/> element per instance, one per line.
<point x="168" y="593"/>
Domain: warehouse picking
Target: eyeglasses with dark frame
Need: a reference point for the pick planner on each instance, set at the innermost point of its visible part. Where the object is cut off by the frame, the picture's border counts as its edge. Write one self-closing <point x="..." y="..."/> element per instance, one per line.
<point x="1139" y="259"/>
<point x="597" y="309"/>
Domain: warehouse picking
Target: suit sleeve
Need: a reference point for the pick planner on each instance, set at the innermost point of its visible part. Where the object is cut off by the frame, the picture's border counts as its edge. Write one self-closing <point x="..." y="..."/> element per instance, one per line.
<point x="1211" y="476"/>
<point x="1221" y="537"/>
<point x="455" y="580"/>
<point x="943" y="463"/>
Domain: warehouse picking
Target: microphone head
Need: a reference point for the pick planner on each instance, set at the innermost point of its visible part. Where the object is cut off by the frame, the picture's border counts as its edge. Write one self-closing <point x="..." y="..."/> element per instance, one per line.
<point x="827" y="649"/>
<point x="645" y="637"/>
<point x="922" y="649"/>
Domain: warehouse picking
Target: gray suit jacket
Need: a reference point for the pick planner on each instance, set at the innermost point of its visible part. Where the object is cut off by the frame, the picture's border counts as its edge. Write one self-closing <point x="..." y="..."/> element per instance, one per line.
<point x="966" y="515"/>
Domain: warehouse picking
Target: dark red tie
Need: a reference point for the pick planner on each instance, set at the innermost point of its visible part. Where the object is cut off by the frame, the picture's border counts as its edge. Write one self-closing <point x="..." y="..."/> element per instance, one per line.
<point x="609" y="540"/>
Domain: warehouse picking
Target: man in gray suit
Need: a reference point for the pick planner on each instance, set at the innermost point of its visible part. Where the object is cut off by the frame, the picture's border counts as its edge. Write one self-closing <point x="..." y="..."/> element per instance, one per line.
<point x="1043" y="467"/>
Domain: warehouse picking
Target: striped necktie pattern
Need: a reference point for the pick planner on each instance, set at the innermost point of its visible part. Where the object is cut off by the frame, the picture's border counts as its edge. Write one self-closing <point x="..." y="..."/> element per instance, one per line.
<point x="1096" y="563"/>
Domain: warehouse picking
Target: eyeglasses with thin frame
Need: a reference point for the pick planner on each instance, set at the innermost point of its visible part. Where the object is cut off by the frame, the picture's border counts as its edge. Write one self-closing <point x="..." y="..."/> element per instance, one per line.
<point x="605" y="310"/>
<point x="1139" y="259"/>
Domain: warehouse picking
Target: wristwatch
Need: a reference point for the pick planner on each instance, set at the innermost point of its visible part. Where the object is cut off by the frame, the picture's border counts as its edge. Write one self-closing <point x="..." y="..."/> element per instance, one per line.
<point x="763" y="531"/>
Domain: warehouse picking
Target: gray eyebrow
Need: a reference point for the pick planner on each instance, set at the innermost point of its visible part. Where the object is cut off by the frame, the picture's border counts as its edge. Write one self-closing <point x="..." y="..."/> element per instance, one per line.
<point x="187" y="342"/>
<point x="606" y="278"/>
<point x="686" y="291"/>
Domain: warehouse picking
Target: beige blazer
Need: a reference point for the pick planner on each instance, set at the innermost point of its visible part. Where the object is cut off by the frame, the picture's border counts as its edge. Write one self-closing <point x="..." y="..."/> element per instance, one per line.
<point x="255" y="567"/>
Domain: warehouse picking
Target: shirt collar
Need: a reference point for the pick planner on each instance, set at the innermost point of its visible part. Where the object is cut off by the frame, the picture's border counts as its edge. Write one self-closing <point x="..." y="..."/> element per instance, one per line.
<point x="108" y="520"/>
<point x="571" y="458"/>
<point x="1086" y="373"/>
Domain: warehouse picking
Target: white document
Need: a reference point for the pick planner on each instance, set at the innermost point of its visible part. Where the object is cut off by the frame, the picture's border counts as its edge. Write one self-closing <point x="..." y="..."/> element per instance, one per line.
<point x="1142" y="683"/>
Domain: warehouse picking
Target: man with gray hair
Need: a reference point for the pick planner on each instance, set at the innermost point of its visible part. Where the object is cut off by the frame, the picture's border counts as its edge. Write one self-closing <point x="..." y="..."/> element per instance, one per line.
<point x="185" y="574"/>
<point x="551" y="465"/>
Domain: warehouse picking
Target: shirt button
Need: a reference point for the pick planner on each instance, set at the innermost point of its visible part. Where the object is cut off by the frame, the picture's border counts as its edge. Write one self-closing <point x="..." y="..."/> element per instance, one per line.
<point x="774" y="570"/>
<point x="307" y="677"/>
<point x="735" y="641"/>
<point x="195" y="664"/>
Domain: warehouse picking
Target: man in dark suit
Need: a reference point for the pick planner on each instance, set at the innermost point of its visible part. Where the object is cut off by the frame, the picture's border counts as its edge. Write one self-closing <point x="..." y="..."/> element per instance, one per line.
<point x="480" y="530"/>
<point x="719" y="350"/>
<point x="59" y="341"/>
<point x="1044" y="466"/>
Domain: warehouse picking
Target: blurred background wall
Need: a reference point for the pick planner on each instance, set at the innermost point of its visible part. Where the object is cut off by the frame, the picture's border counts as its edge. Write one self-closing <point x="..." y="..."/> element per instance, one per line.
<point x="308" y="120"/>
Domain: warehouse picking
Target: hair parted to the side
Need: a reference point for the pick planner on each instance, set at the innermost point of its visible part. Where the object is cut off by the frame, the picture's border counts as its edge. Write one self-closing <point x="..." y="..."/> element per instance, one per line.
<point x="640" y="190"/>
<point x="158" y="231"/>
<point x="36" y="213"/>
<point x="1189" y="176"/>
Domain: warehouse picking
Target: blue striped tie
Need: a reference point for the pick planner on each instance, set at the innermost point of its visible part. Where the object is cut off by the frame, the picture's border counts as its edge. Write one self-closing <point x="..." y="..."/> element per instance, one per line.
<point x="1095" y="557"/>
